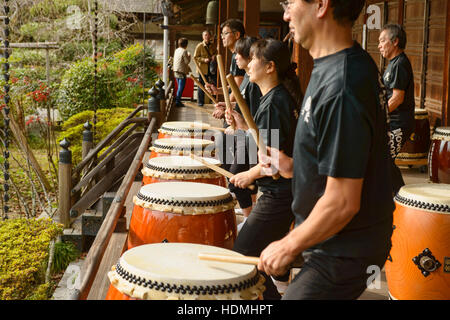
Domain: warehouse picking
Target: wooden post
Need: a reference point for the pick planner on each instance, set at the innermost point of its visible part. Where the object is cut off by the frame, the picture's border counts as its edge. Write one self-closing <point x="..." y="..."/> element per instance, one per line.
<point x="251" y="17"/>
<point x="65" y="182"/>
<point x="88" y="140"/>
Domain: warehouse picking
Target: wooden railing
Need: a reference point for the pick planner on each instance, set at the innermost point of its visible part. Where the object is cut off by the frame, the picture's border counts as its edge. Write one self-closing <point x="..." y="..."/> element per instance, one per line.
<point x="98" y="247"/>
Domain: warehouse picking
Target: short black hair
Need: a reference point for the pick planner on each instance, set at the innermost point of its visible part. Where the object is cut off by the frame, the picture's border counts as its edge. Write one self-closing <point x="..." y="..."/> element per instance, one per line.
<point x="183" y="42"/>
<point x="235" y="25"/>
<point x="396" y="31"/>
<point x="243" y="46"/>
<point x="346" y="11"/>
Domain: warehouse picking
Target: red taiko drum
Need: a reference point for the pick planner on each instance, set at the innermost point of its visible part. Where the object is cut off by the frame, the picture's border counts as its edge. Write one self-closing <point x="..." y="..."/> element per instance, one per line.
<point x="183" y="212"/>
<point x="418" y="267"/>
<point x="173" y="271"/>
<point x="182" y="146"/>
<point x="185" y="129"/>
<point x="418" y="144"/>
<point x="439" y="156"/>
<point x="178" y="168"/>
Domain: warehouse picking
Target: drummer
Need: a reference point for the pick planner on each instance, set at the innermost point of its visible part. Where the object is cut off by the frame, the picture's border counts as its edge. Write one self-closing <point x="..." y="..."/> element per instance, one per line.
<point x="271" y="218"/>
<point x="399" y="81"/>
<point x="340" y="167"/>
<point x="252" y="94"/>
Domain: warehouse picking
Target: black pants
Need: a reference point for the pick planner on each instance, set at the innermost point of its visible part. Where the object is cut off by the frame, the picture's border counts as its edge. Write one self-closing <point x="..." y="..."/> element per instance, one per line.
<point x="270" y="220"/>
<point x="324" y="277"/>
<point x="241" y="163"/>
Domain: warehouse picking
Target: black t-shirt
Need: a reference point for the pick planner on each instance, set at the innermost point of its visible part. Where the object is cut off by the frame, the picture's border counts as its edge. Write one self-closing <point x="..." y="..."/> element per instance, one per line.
<point x="276" y="121"/>
<point x="342" y="133"/>
<point x="399" y="75"/>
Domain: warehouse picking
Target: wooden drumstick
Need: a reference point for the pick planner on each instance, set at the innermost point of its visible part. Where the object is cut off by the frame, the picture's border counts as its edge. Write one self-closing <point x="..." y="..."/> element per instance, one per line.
<point x="223" y="79"/>
<point x="297" y="263"/>
<point x="203" y="89"/>
<point x="217" y="169"/>
<point x="248" y="117"/>
<point x="200" y="72"/>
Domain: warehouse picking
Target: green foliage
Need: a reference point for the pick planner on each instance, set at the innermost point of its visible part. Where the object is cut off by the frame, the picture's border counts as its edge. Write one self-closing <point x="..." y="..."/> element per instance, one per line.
<point x="65" y="252"/>
<point x="24" y="249"/>
<point x="54" y="8"/>
<point x="119" y="81"/>
<point x="107" y="120"/>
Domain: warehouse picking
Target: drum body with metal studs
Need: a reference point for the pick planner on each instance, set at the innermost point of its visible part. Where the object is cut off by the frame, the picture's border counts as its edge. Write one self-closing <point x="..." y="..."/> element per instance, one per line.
<point x="185" y="129"/>
<point x="183" y="212"/>
<point x="439" y="156"/>
<point x="417" y="146"/>
<point x="418" y="267"/>
<point x="173" y="271"/>
<point x="181" y="168"/>
<point x="182" y="147"/>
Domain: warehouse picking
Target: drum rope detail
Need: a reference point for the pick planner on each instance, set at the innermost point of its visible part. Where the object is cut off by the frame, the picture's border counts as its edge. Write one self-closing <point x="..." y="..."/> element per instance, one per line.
<point x="178" y="170"/>
<point x="198" y="290"/>
<point x="422" y="205"/>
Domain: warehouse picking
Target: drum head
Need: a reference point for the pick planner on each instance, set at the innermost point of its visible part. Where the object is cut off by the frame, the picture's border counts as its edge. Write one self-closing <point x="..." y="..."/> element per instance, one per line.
<point x="431" y="197"/>
<point x="442" y="133"/>
<point x="182" y="145"/>
<point x="179" y="167"/>
<point x="185" y="197"/>
<point x="174" y="270"/>
<point x="185" y="126"/>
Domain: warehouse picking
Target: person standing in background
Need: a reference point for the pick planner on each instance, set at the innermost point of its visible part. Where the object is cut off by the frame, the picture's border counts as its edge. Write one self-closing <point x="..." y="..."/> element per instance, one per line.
<point x="181" y="69"/>
<point x="398" y="79"/>
<point x="204" y="55"/>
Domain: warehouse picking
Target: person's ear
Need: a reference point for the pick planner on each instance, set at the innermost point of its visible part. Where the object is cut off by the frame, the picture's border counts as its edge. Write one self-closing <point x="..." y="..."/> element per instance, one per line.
<point x="270" y="67"/>
<point x="322" y="8"/>
<point x="395" y="42"/>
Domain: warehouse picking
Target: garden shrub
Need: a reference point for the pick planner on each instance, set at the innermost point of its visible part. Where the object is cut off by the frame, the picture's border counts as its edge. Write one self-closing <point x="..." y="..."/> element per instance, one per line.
<point x="107" y="120"/>
<point x="119" y="81"/>
<point x="24" y="251"/>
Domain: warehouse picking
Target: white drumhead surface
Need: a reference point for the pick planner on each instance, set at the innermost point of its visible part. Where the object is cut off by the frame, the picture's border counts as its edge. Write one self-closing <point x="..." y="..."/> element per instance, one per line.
<point x="183" y="142"/>
<point x="181" y="162"/>
<point x="430" y="193"/>
<point x="179" y="263"/>
<point x="184" y="191"/>
<point x="179" y="125"/>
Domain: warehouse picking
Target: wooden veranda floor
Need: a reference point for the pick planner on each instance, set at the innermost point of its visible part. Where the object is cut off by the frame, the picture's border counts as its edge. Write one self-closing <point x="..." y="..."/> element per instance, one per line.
<point x="116" y="245"/>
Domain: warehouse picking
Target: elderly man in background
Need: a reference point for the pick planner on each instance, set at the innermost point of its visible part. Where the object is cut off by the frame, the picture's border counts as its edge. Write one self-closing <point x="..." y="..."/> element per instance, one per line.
<point x="205" y="54"/>
<point x="398" y="79"/>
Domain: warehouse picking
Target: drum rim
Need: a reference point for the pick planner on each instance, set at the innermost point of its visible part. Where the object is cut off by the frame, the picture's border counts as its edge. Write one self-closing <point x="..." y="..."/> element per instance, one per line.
<point x="171" y="127"/>
<point x="140" y="283"/>
<point x="168" y="164"/>
<point x="419" y="201"/>
<point x="441" y="133"/>
<point x="187" y="204"/>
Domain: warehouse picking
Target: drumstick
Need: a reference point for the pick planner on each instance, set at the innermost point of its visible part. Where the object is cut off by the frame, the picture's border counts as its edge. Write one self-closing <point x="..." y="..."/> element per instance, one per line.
<point x="223" y="79"/>
<point x="297" y="263"/>
<point x="217" y="169"/>
<point x="200" y="71"/>
<point x="203" y="89"/>
<point x="248" y="117"/>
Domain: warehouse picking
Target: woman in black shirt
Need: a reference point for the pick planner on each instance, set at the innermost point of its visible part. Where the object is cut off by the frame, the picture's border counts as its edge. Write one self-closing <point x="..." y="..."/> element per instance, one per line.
<point x="276" y="117"/>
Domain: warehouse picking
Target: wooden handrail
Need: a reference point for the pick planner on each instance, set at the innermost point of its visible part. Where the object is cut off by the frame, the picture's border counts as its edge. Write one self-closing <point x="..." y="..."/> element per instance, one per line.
<point x="95" y="254"/>
<point x="93" y="152"/>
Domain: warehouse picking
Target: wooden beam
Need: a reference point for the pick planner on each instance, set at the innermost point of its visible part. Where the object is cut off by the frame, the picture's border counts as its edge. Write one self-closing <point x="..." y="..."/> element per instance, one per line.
<point x="251" y="17"/>
<point x="305" y="65"/>
<point x="401" y="11"/>
<point x="232" y="9"/>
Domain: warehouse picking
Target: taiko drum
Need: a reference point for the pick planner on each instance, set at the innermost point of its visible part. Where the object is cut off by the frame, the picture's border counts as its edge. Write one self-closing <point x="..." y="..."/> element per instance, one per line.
<point x="418" y="143"/>
<point x="418" y="267"/>
<point x="181" y="168"/>
<point x="185" y="129"/>
<point x="439" y="156"/>
<point x="182" y="147"/>
<point x="183" y="212"/>
<point x="173" y="271"/>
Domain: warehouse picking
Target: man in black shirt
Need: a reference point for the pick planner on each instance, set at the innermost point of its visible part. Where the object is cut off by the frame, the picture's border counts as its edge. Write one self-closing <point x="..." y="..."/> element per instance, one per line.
<point x="340" y="167"/>
<point x="398" y="79"/>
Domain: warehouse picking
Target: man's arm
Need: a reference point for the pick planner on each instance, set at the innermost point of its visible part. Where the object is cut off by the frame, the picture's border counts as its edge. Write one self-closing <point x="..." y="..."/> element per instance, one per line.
<point x="398" y="96"/>
<point x="332" y="212"/>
